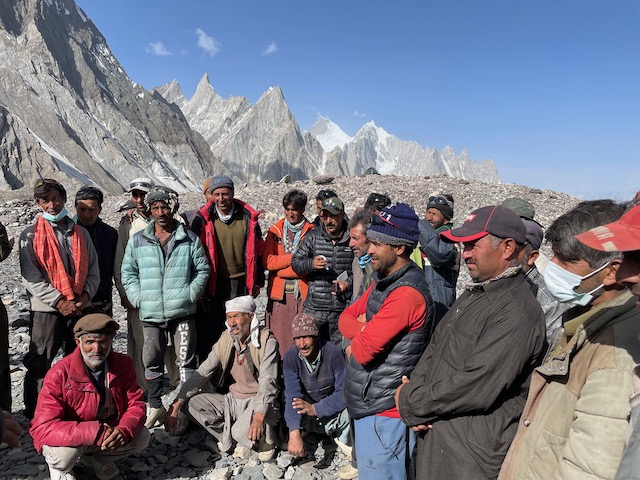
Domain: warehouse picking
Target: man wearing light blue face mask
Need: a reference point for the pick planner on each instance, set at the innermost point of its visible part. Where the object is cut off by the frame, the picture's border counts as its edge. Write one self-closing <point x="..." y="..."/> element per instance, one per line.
<point x="575" y="422"/>
<point x="59" y="268"/>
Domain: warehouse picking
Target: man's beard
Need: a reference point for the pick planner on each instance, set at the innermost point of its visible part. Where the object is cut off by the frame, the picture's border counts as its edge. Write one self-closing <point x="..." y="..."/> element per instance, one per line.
<point x="93" y="360"/>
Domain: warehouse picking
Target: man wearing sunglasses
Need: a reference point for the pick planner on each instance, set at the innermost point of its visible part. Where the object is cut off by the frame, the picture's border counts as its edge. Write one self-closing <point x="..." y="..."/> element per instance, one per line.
<point x="323" y="256"/>
<point x="441" y="259"/>
<point x="576" y="419"/>
<point x="59" y="268"/>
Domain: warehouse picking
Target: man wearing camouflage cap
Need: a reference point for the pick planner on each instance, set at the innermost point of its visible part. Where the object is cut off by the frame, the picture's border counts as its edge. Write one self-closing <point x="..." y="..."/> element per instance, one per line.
<point x="90" y="409"/>
<point x="164" y="273"/>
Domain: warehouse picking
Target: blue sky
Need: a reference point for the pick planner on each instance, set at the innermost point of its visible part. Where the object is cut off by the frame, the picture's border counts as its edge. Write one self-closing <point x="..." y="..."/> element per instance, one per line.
<point x="549" y="90"/>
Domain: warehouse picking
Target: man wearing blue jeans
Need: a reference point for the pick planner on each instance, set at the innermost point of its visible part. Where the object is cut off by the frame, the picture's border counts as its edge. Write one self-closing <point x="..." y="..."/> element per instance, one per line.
<point x="388" y="327"/>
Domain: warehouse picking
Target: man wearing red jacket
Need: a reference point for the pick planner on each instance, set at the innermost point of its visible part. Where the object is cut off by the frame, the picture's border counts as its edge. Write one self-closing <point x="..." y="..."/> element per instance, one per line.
<point x="229" y="231"/>
<point x="90" y="408"/>
<point x="389" y="328"/>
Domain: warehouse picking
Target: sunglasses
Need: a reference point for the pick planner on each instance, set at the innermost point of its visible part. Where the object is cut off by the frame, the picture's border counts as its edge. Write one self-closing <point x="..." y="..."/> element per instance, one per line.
<point x="46" y="181"/>
<point x="439" y="200"/>
<point x="380" y="220"/>
<point x="135" y="185"/>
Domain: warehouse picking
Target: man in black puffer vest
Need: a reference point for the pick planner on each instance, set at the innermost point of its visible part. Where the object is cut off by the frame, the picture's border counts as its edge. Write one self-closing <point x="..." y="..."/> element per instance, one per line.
<point x="389" y="328"/>
<point x="322" y="256"/>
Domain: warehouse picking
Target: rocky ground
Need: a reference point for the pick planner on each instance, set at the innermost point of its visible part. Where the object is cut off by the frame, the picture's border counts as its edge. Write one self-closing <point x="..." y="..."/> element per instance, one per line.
<point x="192" y="455"/>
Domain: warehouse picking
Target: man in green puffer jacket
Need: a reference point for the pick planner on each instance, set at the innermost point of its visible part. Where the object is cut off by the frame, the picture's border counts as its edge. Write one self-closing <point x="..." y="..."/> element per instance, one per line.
<point x="164" y="273"/>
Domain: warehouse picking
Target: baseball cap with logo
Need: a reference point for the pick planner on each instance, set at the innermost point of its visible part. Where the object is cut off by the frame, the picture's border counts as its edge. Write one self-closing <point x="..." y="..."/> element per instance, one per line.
<point x="496" y="220"/>
<point x="332" y="205"/>
<point x="620" y="236"/>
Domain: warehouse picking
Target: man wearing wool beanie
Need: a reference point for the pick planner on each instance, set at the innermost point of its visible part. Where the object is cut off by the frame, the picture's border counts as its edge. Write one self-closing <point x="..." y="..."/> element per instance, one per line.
<point x="389" y="328"/>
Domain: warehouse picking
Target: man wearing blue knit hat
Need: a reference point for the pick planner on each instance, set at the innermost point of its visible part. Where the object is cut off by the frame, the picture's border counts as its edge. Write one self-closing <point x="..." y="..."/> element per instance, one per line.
<point x="389" y="328"/>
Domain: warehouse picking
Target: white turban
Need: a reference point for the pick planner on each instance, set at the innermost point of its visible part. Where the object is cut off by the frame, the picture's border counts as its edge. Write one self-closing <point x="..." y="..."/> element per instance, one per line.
<point x="246" y="304"/>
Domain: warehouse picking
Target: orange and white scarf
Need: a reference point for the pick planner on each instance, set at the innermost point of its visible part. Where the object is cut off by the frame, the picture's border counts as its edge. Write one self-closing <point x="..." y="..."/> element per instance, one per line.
<point x="47" y="250"/>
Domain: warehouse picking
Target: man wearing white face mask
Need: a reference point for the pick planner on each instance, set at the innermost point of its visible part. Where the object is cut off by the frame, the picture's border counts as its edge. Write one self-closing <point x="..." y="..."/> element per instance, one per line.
<point x="59" y="268"/>
<point x="575" y="422"/>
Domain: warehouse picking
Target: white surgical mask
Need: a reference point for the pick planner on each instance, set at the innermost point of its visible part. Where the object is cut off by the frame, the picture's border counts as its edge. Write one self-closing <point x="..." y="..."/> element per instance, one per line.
<point x="55" y="218"/>
<point x="562" y="284"/>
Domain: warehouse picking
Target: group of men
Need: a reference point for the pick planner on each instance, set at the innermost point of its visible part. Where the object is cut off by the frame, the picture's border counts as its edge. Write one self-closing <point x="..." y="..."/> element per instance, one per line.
<point x="528" y="374"/>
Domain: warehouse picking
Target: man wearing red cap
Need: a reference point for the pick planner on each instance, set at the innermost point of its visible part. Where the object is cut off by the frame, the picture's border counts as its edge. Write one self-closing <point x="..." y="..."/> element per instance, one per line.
<point x="468" y="389"/>
<point x="624" y="236"/>
<point x="575" y="422"/>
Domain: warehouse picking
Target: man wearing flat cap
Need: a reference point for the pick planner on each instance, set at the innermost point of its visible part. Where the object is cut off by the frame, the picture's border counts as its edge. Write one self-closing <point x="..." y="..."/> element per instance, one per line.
<point x="230" y="233"/>
<point x="90" y="409"/>
<point x="388" y="327"/>
<point x="467" y="392"/>
<point x="313" y="379"/>
<point x="243" y="368"/>
<point x="164" y="273"/>
<point x="576" y="419"/>
<point x="325" y="258"/>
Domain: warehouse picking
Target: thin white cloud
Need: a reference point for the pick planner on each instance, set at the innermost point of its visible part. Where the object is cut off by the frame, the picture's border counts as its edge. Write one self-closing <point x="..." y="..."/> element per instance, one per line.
<point x="269" y="49"/>
<point x="207" y="43"/>
<point x="358" y="114"/>
<point x="158" y="48"/>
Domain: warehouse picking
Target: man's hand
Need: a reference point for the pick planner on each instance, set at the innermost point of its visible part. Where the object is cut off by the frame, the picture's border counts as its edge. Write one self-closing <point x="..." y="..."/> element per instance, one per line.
<point x="112" y="439"/>
<point x="68" y="308"/>
<point x="362" y="318"/>
<point x="82" y="301"/>
<point x="340" y="287"/>
<point x="171" y="418"/>
<point x="12" y="430"/>
<point x="296" y="445"/>
<point x="256" y="429"/>
<point x="304" y="408"/>
<point x="319" y="262"/>
<point x="124" y="301"/>
<point x="415" y="428"/>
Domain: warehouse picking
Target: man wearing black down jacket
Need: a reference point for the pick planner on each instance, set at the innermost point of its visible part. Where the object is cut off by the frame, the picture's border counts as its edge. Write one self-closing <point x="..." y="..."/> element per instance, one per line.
<point x="322" y="256"/>
<point x="469" y="388"/>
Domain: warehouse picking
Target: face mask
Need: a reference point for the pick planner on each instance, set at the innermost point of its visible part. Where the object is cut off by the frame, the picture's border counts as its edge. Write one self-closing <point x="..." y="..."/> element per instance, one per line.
<point x="562" y="284"/>
<point x="55" y="218"/>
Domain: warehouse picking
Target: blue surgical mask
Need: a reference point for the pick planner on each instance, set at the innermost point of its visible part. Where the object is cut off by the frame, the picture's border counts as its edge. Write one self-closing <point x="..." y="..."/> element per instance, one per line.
<point x="55" y="218"/>
<point x="562" y="284"/>
<point x="363" y="260"/>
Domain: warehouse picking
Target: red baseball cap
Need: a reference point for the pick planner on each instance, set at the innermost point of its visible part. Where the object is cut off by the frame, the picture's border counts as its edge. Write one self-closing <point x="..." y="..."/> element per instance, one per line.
<point x="620" y="236"/>
<point x="495" y="220"/>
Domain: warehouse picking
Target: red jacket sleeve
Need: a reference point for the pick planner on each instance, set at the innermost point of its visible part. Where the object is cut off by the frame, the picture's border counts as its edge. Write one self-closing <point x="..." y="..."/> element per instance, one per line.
<point x="48" y="426"/>
<point x="403" y="310"/>
<point x="135" y="415"/>
<point x="348" y="322"/>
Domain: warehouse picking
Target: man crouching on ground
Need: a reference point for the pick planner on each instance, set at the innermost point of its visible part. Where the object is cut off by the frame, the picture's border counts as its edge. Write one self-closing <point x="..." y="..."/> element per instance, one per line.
<point x="90" y="408"/>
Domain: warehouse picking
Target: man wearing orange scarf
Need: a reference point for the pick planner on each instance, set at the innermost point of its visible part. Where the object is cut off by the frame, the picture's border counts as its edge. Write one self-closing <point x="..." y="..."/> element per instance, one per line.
<point x="59" y="268"/>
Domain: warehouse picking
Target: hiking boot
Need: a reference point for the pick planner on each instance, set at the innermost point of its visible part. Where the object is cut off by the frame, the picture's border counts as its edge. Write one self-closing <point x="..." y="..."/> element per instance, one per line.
<point x="104" y="471"/>
<point x="266" y="451"/>
<point x="241" y="452"/>
<point x="344" y="448"/>
<point x="59" y="475"/>
<point x="154" y="415"/>
<point x="347" y="472"/>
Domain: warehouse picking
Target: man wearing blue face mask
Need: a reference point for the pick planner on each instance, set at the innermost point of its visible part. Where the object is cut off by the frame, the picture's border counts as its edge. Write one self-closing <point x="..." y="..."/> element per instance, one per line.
<point x="575" y="422"/>
<point x="59" y="268"/>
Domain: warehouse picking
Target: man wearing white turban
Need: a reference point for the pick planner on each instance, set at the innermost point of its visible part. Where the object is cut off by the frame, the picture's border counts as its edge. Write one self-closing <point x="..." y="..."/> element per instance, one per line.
<point x="243" y="368"/>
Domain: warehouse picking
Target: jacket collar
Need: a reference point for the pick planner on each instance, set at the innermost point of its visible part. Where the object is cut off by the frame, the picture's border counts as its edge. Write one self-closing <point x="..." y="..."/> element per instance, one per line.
<point x="150" y="231"/>
<point x="78" y="371"/>
<point x="577" y="330"/>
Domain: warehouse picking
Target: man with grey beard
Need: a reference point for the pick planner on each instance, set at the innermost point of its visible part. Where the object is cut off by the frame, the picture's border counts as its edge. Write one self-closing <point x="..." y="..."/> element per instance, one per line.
<point x="90" y="409"/>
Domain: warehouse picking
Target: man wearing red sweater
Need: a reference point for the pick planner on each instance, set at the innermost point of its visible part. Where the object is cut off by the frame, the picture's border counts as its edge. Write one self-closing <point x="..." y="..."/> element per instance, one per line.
<point x="389" y="328"/>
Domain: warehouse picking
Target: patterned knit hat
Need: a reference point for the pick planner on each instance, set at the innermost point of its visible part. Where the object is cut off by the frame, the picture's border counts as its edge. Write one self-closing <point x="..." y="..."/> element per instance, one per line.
<point x="304" y="325"/>
<point x="395" y="225"/>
